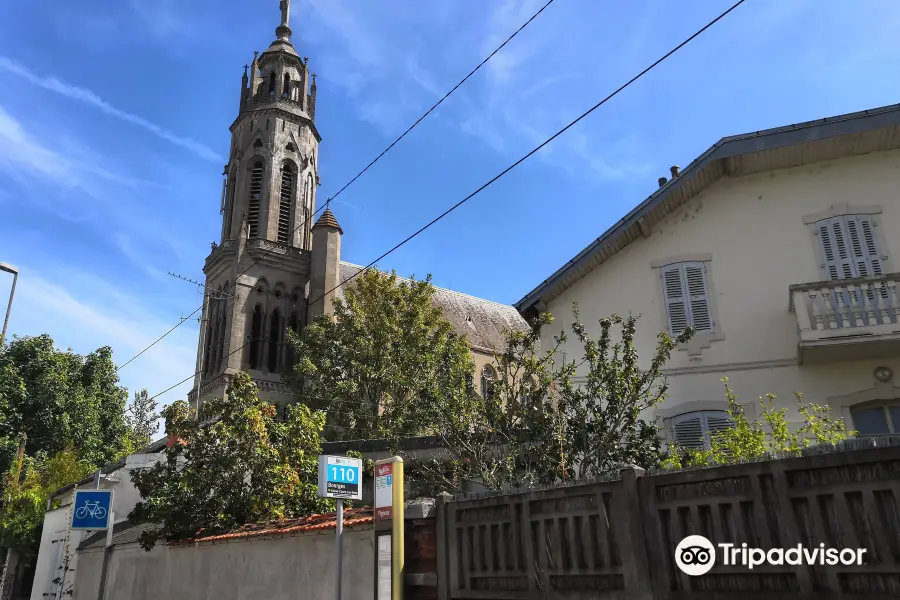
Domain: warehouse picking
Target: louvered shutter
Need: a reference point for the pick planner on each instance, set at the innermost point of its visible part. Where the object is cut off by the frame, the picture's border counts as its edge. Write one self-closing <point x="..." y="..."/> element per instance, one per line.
<point x="866" y="257"/>
<point x="837" y="261"/>
<point x="688" y="431"/>
<point x="700" y="317"/>
<point x="676" y="298"/>
<point x="716" y="422"/>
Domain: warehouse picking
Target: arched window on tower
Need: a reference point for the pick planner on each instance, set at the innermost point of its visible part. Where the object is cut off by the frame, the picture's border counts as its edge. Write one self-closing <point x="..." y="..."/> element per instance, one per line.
<point x="286" y="93"/>
<point x="208" y="346"/>
<point x="307" y="212"/>
<point x="272" y="85"/>
<point x="256" y="176"/>
<point x="223" y="317"/>
<point x="229" y="204"/>
<point x="488" y="377"/>
<point x="256" y="325"/>
<point x="274" y="340"/>
<point x="286" y="202"/>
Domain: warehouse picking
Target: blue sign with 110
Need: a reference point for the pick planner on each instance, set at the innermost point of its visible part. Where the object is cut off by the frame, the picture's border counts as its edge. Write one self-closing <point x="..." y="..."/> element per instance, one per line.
<point x="91" y="509"/>
<point x="340" y="477"/>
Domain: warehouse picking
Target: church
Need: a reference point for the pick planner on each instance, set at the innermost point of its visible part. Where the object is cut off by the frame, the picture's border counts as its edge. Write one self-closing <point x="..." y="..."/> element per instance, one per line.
<point x="274" y="268"/>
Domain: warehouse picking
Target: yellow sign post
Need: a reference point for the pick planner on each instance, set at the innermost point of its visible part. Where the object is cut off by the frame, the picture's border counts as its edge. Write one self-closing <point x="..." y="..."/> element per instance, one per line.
<point x="389" y="513"/>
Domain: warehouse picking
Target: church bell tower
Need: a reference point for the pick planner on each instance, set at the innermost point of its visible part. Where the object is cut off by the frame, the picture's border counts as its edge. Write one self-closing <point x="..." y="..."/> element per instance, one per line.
<point x="266" y="269"/>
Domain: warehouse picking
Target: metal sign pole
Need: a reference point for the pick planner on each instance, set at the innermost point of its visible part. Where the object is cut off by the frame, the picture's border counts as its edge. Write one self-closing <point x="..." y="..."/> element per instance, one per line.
<point x="339" y="558"/>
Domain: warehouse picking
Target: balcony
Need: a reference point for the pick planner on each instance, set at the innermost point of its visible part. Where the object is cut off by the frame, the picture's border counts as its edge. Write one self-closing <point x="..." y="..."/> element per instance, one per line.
<point x="847" y="319"/>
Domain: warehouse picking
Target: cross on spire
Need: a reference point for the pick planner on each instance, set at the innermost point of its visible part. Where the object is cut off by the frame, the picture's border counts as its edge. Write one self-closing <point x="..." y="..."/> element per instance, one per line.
<point x="285" y="6"/>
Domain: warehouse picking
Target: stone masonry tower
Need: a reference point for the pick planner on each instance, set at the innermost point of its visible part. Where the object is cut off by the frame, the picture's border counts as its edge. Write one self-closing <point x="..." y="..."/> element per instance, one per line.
<point x="258" y="277"/>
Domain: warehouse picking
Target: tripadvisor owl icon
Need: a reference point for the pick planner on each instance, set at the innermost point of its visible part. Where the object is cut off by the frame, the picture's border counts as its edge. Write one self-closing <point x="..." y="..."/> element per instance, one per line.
<point x="695" y="555"/>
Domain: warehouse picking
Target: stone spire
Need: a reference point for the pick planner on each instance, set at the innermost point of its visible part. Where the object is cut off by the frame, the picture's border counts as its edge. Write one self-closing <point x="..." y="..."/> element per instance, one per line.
<point x="283" y="31"/>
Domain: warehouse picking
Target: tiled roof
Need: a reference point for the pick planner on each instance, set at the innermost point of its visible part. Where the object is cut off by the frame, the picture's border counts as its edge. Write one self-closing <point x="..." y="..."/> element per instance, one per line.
<point x="327" y="219"/>
<point x="127" y="532"/>
<point x="483" y="322"/>
<point x="352" y="518"/>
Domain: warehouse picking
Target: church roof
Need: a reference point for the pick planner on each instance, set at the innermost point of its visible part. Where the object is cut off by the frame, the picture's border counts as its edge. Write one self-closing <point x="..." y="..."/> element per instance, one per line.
<point x="483" y="322"/>
<point x="326" y="219"/>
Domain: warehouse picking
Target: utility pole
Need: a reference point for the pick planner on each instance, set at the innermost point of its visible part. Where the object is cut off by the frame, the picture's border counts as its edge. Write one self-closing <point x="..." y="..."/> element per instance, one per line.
<point x="15" y="273"/>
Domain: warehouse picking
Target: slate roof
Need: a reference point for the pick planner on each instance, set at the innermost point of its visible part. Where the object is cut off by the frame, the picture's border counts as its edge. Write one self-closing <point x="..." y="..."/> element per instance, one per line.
<point x="125" y="532"/>
<point x="483" y="322"/>
<point x="776" y="148"/>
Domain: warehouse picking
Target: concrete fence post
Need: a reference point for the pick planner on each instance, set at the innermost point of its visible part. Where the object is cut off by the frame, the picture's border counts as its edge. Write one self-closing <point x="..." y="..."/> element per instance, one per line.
<point x="634" y="555"/>
<point x="443" y="543"/>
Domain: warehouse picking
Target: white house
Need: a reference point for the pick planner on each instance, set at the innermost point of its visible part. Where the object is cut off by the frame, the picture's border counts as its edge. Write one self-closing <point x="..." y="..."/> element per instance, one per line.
<point x="776" y="246"/>
<point x="56" y="560"/>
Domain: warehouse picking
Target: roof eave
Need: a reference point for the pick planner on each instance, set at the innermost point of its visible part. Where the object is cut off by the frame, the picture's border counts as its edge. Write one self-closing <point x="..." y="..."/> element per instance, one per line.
<point x="726" y="147"/>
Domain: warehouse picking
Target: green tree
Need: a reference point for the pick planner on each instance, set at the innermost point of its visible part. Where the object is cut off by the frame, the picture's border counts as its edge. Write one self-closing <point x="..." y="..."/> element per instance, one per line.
<point x="605" y="412"/>
<point x="28" y="485"/>
<point x="540" y="425"/>
<point x="61" y="399"/>
<point x="512" y="435"/>
<point x="770" y="434"/>
<point x="384" y="361"/>
<point x="141" y="421"/>
<point x="236" y="464"/>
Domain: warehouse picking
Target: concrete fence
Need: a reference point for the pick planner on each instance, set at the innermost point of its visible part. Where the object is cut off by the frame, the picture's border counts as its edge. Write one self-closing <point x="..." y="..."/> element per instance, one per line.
<point x="616" y="539"/>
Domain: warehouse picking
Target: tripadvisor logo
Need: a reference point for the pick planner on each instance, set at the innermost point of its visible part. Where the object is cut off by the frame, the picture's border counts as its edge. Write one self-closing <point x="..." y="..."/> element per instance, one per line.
<point x="695" y="555"/>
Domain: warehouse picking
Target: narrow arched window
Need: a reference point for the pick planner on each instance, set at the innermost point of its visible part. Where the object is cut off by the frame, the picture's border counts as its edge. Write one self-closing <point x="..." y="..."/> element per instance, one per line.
<point x="286" y="202"/>
<point x="307" y="212"/>
<point x="223" y="316"/>
<point x="272" y="85"/>
<point x="256" y="325"/>
<point x="256" y="176"/>
<point x="488" y="377"/>
<point x="229" y="204"/>
<point x="274" y="340"/>
<point x="286" y="92"/>
<point x="210" y="322"/>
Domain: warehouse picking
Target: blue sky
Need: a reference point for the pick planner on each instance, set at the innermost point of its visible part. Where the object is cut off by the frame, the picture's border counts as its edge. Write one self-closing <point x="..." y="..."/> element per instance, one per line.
<point x="114" y="130"/>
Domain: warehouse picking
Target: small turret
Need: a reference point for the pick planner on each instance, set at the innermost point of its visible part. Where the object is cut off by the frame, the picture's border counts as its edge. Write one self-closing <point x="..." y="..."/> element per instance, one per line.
<point x="244" y="89"/>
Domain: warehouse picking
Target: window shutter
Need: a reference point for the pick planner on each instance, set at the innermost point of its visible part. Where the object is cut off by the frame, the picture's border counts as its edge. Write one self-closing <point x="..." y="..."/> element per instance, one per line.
<point x="835" y="252"/>
<point x="717" y="422"/>
<point x="866" y="257"/>
<point x="689" y="432"/>
<point x="676" y="298"/>
<point x="695" y="274"/>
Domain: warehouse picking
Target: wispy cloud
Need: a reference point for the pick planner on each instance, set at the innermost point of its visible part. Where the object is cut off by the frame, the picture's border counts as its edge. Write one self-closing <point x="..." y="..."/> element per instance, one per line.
<point x="124" y="242"/>
<point x="160" y="18"/>
<point x="88" y="97"/>
<point x="25" y="159"/>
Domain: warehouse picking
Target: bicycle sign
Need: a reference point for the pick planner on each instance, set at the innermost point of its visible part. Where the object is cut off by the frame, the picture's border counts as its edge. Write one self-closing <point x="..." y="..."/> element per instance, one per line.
<point x="90" y="511"/>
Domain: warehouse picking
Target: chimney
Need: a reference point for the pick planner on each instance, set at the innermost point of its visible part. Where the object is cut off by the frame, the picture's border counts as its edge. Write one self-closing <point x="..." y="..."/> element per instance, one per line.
<point x="662" y="181"/>
<point x="675" y="170"/>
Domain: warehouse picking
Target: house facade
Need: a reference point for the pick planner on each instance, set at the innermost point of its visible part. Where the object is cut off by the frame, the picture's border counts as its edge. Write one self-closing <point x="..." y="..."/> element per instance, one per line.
<point x="776" y="247"/>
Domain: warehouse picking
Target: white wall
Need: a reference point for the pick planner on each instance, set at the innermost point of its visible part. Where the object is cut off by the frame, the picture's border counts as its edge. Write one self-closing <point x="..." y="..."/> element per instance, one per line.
<point x="56" y="524"/>
<point x="753" y="228"/>
<point x="275" y="568"/>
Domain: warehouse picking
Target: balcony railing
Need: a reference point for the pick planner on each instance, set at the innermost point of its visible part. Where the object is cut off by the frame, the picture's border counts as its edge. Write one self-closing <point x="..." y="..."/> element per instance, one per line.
<point x="867" y="306"/>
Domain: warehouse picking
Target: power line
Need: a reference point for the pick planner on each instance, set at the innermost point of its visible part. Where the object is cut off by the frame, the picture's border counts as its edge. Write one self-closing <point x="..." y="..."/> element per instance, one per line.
<point x="536" y="148"/>
<point x="512" y="166"/>
<point x="368" y="166"/>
